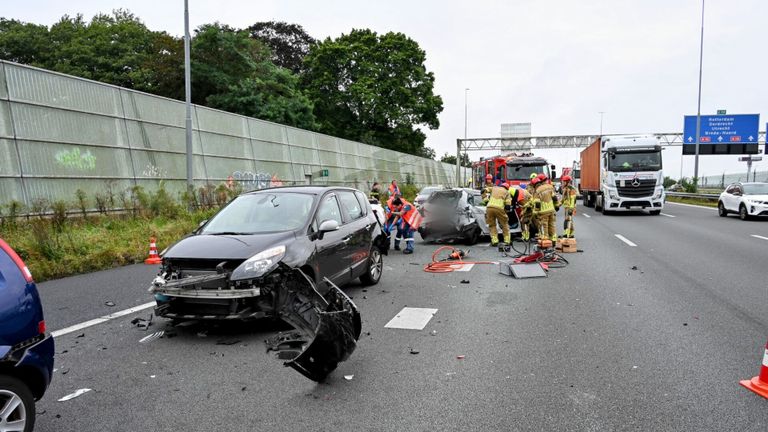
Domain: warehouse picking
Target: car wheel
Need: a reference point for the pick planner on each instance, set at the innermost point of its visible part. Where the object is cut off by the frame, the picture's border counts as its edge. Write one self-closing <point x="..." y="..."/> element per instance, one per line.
<point x="721" y="209"/>
<point x="17" y="405"/>
<point x="743" y="215"/>
<point x="373" y="269"/>
<point x="473" y="237"/>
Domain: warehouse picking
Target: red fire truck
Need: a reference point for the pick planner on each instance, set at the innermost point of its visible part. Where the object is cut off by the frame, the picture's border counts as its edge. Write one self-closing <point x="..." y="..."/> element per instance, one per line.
<point x="513" y="168"/>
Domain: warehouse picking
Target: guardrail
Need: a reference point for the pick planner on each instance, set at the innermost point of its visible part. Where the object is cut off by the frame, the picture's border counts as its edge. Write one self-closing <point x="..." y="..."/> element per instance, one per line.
<point x="711" y="197"/>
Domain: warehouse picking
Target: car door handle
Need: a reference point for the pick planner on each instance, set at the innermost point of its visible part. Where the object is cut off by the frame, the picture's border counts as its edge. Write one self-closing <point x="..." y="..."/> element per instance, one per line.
<point x="346" y="240"/>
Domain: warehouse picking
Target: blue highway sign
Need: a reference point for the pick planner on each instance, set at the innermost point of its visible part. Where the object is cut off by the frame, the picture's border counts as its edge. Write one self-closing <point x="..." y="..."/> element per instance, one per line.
<point x="723" y="129"/>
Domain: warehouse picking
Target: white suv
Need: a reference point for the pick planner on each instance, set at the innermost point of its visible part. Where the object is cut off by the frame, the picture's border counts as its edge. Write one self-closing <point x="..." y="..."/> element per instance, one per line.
<point x="746" y="199"/>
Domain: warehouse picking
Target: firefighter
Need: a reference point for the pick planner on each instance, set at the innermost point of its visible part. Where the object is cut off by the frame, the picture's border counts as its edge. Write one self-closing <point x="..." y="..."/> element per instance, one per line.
<point x="544" y="198"/>
<point x="408" y="221"/>
<point x="569" y="204"/>
<point x="486" y="193"/>
<point x="376" y="191"/>
<point x="525" y="201"/>
<point x="496" y="212"/>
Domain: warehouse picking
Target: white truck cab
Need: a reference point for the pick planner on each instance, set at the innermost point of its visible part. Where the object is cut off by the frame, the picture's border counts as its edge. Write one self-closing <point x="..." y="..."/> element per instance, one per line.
<point x="631" y="176"/>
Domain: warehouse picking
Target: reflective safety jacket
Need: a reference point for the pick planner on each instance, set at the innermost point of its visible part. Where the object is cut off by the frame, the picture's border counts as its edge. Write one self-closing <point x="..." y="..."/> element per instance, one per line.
<point x="500" y="198"/>
<point x="569" y="197"/>
<point x="486" y="193"/>
<point x="545" y="196"/>
<point x="411" y="216"/>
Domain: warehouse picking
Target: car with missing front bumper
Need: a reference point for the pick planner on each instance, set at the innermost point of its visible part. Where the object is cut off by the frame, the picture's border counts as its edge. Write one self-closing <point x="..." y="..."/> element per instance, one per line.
<point x="235" y="265"/>
<point x="451" y="215"/>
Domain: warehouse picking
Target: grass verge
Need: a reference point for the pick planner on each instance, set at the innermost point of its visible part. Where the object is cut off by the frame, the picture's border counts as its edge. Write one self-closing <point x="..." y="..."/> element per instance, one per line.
<point x="95" y="243"/>
<point x="693" y="201"/>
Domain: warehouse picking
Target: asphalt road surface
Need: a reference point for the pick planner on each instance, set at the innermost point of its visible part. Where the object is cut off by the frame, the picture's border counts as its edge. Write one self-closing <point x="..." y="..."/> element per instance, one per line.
<point x="595" y="346"/>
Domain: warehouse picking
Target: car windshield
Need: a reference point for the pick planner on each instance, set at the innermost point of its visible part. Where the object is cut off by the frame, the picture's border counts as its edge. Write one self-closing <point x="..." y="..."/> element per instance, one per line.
<point x="523" y="172"/>
<point x="445" y="198"/>
<point x="429" y="189"/>
<point x="260" y="213"/>
<point x="756" y="189"/>
<point x="636" y="161"/>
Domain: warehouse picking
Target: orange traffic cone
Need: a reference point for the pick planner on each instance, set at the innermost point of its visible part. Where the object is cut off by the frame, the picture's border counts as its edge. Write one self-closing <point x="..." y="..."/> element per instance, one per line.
<point x="759" y="384"/>
<point x="154" y="258"/>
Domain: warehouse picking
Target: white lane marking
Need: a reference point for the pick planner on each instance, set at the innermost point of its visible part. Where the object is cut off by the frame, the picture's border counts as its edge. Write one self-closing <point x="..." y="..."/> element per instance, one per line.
<point x="668" y="215"/>
<point x="586" y="215"/>
<point x="75" y="394"/>
<point x="760" y="237"/>
<point x="691" y="205"/>
<point x="100" y="320"/>
<point x="625" y="240"/>
<point x="411" y="318"/>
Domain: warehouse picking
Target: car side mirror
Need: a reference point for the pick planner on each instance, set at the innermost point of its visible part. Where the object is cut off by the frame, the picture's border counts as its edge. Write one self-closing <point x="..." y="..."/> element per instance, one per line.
<point x="328" y="225"/>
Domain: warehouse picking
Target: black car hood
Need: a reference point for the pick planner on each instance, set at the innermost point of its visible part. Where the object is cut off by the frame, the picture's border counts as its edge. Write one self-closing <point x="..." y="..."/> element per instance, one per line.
<point x="204" y="246"/>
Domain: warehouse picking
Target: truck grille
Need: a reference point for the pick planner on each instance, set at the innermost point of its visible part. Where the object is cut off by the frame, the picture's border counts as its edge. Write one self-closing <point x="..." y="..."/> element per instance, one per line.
<point x="644" y="189"/>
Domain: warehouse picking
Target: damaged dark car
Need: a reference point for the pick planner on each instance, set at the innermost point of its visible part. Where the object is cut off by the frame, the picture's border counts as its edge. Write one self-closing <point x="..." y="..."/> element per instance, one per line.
<point x="235" y="266"/>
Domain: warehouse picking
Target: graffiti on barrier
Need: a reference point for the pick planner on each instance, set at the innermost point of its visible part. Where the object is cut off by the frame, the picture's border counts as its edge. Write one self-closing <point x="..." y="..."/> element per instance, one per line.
<point x="76" y="160"/>
<point x="154" y="171"/>
<point x="256" y="180"/>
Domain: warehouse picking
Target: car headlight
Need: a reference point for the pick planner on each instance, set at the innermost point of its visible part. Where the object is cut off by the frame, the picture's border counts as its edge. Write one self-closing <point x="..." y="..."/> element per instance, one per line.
<point x="258" y="264"/>
<point x="612" y="194"/>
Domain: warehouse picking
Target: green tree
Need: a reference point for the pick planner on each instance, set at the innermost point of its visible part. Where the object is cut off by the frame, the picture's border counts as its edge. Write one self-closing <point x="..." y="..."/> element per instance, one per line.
<point x="233" y="72"/>
<point x="24" y="43"/>
<point x="110" y="48"/>
<point x="451" y="159"/>
<point x="372" y="88"/>
<point x="668" y="181"/>
<point x="288" y="43"/>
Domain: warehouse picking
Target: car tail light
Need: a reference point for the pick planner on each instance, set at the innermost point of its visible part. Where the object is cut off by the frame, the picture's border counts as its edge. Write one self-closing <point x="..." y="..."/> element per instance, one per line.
<point x="41" y="327"/>
<point x="17" y="260"/>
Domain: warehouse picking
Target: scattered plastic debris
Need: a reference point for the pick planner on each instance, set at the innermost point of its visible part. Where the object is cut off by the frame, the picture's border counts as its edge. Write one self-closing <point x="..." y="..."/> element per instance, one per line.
<point x="109" y="303"/>
<point x="142" y="323"/>
<point x="460" y="357"/>
<point x="433" y="332"/>
<point x="75" y="394"/>
<point x="80" y="335"/>
<point x="202" y="334"/>
<point x="464" y="281"/>
<point x="634" y="267"/>
<point x="152" y="376"/>
<point x="153" y="336"/>
<point x="348" y="377"/>
<point x="64" y="371"/>
<point x="227" y="341"/>
<point x="413" y="351"/>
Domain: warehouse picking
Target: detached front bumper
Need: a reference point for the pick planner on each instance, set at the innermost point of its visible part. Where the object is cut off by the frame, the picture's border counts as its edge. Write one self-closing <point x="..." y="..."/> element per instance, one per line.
<point x="209" y="297"/>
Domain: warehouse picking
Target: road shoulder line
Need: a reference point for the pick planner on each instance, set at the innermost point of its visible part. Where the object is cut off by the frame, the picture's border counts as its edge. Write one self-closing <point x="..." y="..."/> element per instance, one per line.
<point x="103" y="319"/>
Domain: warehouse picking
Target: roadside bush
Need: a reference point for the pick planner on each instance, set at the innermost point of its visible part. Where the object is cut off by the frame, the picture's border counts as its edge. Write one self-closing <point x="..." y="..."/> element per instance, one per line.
<point x="82" y="203"/>
<point x="409" y="192"/>
<point x="668" y="181"/>
<point x="139" y="201"/>
<point x="161" y="203"/>
<point x="689" y="186"/>
<point x="59" y="218"/>
<point x="101" y="203"/>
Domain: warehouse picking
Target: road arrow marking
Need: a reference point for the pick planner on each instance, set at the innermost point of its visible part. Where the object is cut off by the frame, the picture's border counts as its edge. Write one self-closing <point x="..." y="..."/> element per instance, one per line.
<point x="625" y="240"/>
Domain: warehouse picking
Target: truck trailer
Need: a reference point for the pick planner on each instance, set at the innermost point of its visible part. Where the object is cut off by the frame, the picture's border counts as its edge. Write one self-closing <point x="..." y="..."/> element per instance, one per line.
<point x="622" y="173"/>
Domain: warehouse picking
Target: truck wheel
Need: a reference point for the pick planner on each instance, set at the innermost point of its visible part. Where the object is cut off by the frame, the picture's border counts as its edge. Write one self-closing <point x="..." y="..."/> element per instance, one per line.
<point x="655" y="212"/>
<point x="16" y="396"/>
<point x="604" y="210"/>
<point x="598" y="204"/>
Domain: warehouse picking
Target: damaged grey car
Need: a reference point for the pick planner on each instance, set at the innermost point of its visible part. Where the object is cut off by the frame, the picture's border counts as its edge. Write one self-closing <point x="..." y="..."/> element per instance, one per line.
<point x="280" y="253"/>
<point x="235" y="265"/>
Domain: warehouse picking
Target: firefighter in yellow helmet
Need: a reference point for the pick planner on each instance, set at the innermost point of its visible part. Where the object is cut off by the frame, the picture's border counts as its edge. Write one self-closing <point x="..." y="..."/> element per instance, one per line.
<point x="486" y="193"/>
<point x="569" y="204"/>
<point x="544" y="200"/>
<point x="496" y="212"/>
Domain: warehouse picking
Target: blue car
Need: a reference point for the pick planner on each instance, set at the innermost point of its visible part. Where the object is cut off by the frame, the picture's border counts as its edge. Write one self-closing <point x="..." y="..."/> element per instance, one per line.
<point x="26" y="349"/>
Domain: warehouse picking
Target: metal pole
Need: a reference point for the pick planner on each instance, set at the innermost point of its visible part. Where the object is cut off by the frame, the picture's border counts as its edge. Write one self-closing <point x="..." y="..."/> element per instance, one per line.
<point x="698" y="110"/>
<point x="458" y="163"/>
<point x="601" y="122"/>
<point x="188" y="96"/>
<point x="458" y="157"/>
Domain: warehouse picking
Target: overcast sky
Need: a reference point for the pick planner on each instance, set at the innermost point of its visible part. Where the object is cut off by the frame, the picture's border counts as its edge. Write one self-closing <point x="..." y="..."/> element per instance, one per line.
<point x="553" y="63"/>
